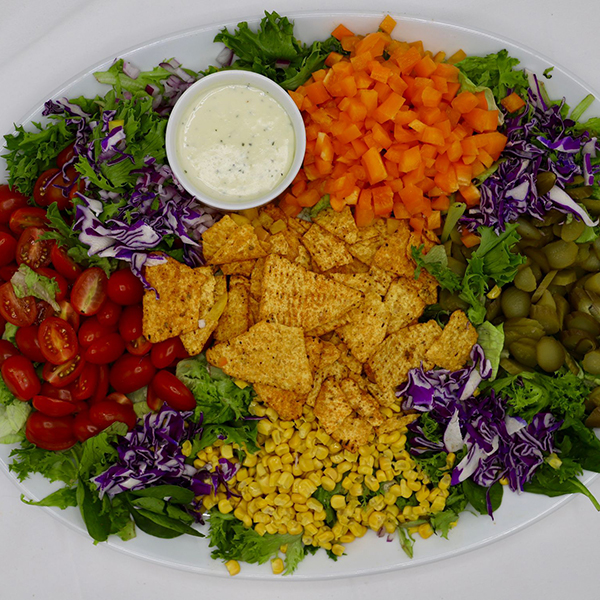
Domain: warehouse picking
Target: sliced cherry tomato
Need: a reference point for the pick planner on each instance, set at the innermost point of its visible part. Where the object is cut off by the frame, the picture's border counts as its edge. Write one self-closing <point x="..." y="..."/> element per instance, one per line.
<point x="58" y="340"/>
<point x="62" y="375"/>
<point x="109" y="313"/>
<point x="85" y="385"/>
<point x="52" y="186"/>
<point x="152" y="400"/>
<point x="10" y="200"/>
<point x="44" y="310"/>
<point x="18" y="311"/>
<point x="130" y="373"/>
<point x="8" y="248"/>
<point x="7" y="350"/>
<point x="107" y="412"/>
<point x="131" y="322"/>
<point x="65" y="155"/>
<point x="2" y="325"/>
<point x="59" y="393"/>
<point x="63" y="286"/>
<point x="164" y="353"/>
<point x="89" y="291"/>
<point x="120" y="399"/>
<point x="64" y="264"/>
<point x="28" y="344"/>
<point x="125" y="288"/>
<point x="32" y="250"/>
<point x="139" y="346"/>
<point x="102" y="385"/>
<point x="30" y="216"/>
<point x="173" y="391"/>
<point x="20" y="377"/>
<point x="50" y="433"/>
<point x="83" y="427"/>
<point x="53" y="407"/>
<point x="68" y="314"/>
<point x="8" y="271"/>
<point x="91" y="330"/>
<point x="105" y="349"/>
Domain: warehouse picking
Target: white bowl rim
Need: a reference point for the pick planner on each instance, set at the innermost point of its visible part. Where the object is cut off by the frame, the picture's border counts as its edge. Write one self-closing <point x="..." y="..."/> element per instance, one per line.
<point x="235" y="76"/>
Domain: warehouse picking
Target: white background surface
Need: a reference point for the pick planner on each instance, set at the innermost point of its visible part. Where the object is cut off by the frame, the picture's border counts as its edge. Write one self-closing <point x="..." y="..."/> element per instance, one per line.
<point x="42" y="44"/>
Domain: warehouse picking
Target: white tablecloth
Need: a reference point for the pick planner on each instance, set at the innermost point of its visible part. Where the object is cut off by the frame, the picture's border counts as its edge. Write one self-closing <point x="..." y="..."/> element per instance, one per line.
<point x="43" y="44"/>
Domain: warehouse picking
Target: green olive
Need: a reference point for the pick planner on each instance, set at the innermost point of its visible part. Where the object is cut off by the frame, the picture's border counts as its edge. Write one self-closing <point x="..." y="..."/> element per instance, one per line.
<point x="544" y="182"/>
<point x="550" y="354"/>
<point x="583" y="321"/>
<point x="565" y="277"/>
<point x="493" y="309"/>
<point x="515" y="303"/>
<point x="458" y="267"/>
<point x="547" y="317"/>
<point x="592" y="283"/>
<point x="451" y="302"/>
<point x="571" y="231"/>
<point x="514" y="329"/>
<point x="593" y="419"/>
<point x="551" y="217"/>
<point x="562" y="309"/>
<point x="591" y="263"/>
<point x="524" y="351"/>
<point x="561" y="254"/>
<point x="525" y="280"/>
<point x="557" y="229"/>
<point x="539" y="258"/>
<point x="593" y="399"/>
<point x="579" y="193"/>
<point x="592" y="205"/>
<point x="591" y="362"/>
<point x="512" y="367"/>
<point x="527" y="230"/>
<point x="578" y="341"/>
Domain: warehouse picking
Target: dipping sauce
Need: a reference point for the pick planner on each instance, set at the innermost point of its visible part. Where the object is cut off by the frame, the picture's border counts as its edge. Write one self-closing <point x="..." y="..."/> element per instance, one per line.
<point x="236" y="142"/>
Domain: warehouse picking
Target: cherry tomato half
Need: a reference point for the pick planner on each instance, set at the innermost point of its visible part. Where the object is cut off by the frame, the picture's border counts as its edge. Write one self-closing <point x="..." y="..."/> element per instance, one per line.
<point x="105" y="349"/>
<point x="102" y="385"/>
<point x="89" y="291"/>
<point x="52" y="186"/>
<point x="50" y="433"/>
<point x="173" y="391"/>
<point x="139" y="346"/>
<point x="64" y="264"/>
<point x="30" y="216"/>
<point x="164" y="353"/>
<point x="32" y="250"/>
<point x="152" y="400"/>
<point x="62" y="375"/>
<point x="59" y="393"/>
<point x="8" y="271"/>
<point x="125" y="288"/>
<point x="58" y="340"/>
<point x="130" y="373"/>
<point x="120" y="399"/>
<point x="6" y="351"/>
<point x="53" y="407"/>
<point x="18" y="311"/>
<point x="109" y="313"/>
<point x="65" y="155"/>
<point x="68" y="314"/>
<point x="85" y="385"/>
<point x="83" y="427"/>
<point x="61" y="282"/>
<point x="20" y="377"/>
<point x="91" y="330"/>
<point x="107" y="412"/>
<point x="131" y="322"/>
<point x="10" y="200"/>
<point x="28" y="344"/>
<point x="8" y="248"/>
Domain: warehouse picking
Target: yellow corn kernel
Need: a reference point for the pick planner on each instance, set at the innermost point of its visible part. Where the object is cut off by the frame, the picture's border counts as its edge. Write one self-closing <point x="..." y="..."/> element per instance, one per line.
<point x="311" y="529"/>
<point x="296" y="497"/>
<point x="295" y="441"/>
<point x="276" y="437"/>
<point x="307" y="540"/>
<point x="344" y="467"/>
<point x="233" y="567"/>
<point x="186" y="448"/>
<point x="294" y="528"/>
<point x="405" y="491"/>
<point x="286" y="435"/>
<point x="281" y="499"/>
<point x="334" y="447"/>
<point x="321" y="452"/>
<point x="339" y="529"/>
<point x="372" y="483"/>
<point x="261" y="470"/>
<point x="227" y="451"/>
<point x="209" y="501"/>
<point x="450" y="459"/>
<point x="315" y="477"/>
<point x="347" y="538"/>
<point x="357" y="529"/>
<point x="503" y="481"/>
<point x="338" y="549"/>
<point x="377" y="503"/>
<point x="285" y="480"/>
<point x="324" y="537"/>
<point x="415" y="486"/>
<point x="306" y="463"/>
<point x="260" y="529"/>
<point x="301" y="508"/>
<point x="304" y="430"/>
<point x="305" y="518"/>
<point x="282" y="449"/>
<point x="265" y="427"/>
<point x="320" y="515"/>
<point x="389" y="498"/>
<point x="364" y="470"/>
<point x="350" y="456"/>
<point x="328" y="484"/>
<point x="274" y="463"/>
<point x="199" y="463"/>
<point x="337" y="459"/>
<point x="392" y="510"/>
<point x="250" y="460"/>
<point x="356" y="490"/>
<point x="297" y="471"/>
<point x="389" y="526"/>
<point x="307" y="488"/>
<point x="277" y="566"/>
<point x="388" y="474"/>
<point x="338" y="502"/>
<point x="425" y="530"/>
<point x="444" y="483"/>
<point x="438" y="504"/>
<point x="272" y="528"/>
<point x="225" y="506"/>
<point x="422" y="494"/>
<point x="314" y="505"/>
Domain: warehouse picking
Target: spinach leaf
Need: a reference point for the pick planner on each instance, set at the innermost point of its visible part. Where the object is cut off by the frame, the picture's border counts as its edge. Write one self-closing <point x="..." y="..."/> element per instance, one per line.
<point x="478" y="496"/>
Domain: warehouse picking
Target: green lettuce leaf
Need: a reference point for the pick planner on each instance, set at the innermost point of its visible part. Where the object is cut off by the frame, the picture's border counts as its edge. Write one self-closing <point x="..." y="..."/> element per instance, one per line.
<point x="13" y="417"/>
<point x="491" y="339"/>
<point x="436" y="263"/>
<point x="26" y="282"/>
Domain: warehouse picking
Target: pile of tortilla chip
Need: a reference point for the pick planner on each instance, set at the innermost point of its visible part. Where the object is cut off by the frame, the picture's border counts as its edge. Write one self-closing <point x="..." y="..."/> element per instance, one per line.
<point x="317" y="313"/>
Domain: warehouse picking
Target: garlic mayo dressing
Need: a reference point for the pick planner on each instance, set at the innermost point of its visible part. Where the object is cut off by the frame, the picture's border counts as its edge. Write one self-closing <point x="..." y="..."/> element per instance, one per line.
<point x="236" y="142"/>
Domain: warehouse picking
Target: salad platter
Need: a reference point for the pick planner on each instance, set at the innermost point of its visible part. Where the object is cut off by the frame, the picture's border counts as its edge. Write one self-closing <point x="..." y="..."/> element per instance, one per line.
<point x="196" y="50"/>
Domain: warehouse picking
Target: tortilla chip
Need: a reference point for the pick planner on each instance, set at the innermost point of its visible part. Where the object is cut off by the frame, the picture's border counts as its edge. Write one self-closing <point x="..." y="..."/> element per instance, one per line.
<point x="184" y="293"/>
<point x="367" y="327"/>
<point x="300" y="226"/>
<point x="274" y="212"/>
<point x="331" y="407"/>
<point x="392" y="255"/>
<point x="326" y="250"/>
<point x="314" y="346"/>
<point x="256" y="278"/>
<point x="241" y="267"/>
<point x="362" y="402"/>
<point x="351" y="362"/>
<point x="288" y="405"/>
<point x="268" y="353"/>
<point x="242" y="244"/>
<point x="427" y="287"/>
<point x="385" y="397"/>
<point x="279" y="244"/>
<point x="293" y="296"/>
<point x="401" y="352"/>
<point x="341" y="224"/>
<point x="403" y="303"/>
<point x="353" y="433"/>
<point x="370" y="239"/>
<point x="356" y="266"/>
<point x="395" y="424"/>
<point x="254" y="311"/>
<point x="375" y="280"/>
<point x="194" y="341"/>
<point x="216" y="236"/>
<point x="303" y="258"/>
<point x="235" y="320"/>
<point x="452" y="349"/>
<point x="329" y="354"/>
<point x="330" y="325"/>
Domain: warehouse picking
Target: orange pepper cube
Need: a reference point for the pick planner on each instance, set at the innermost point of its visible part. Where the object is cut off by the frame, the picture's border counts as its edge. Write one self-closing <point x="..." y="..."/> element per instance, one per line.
<point x="373" y="163"/>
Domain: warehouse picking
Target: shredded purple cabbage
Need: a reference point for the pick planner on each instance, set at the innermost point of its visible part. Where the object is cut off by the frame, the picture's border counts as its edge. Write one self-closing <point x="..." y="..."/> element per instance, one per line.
<point x="497" y="444"/>
<point x="537" y="141"/>
<point x="151" y="454"/>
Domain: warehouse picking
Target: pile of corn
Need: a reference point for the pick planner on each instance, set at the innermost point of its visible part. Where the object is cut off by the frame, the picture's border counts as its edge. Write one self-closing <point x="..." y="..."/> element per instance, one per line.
<point x="276" y="485"/>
